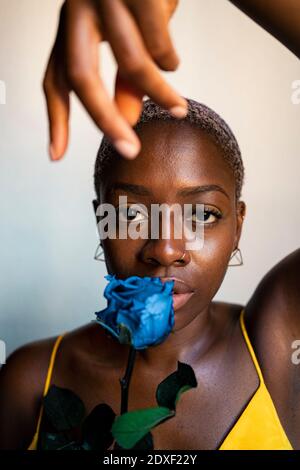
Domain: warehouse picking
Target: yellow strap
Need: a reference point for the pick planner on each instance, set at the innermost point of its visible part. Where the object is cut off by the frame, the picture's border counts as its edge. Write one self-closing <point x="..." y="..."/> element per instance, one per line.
<point x="51" y="364"/>
<point x="48" y="380"/>
<point x="250" y="348"/>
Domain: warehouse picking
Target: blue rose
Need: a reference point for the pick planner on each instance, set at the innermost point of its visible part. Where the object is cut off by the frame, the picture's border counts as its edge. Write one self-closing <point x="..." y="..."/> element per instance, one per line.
<point x="139" y="310"/>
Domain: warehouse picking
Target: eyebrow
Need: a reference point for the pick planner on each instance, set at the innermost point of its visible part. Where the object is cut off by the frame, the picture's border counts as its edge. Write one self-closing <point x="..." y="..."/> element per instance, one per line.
<point x="202" y="189"/>
<point x="187" y="191"/>
<point x="131" y="188"/>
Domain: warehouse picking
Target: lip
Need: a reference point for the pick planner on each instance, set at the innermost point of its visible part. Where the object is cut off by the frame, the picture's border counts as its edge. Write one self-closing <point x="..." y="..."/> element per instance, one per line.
<point x="179" y="300"/>
<point x="182" y="292"/>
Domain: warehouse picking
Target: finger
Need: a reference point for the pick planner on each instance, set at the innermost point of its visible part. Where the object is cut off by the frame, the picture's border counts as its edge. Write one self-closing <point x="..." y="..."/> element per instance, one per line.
<point x="82" y="67"/>
<point x="58" y="108"/>
<point x="154" y="29"/>
<point x="134" y="61"/>
<point x="128" y="99"/>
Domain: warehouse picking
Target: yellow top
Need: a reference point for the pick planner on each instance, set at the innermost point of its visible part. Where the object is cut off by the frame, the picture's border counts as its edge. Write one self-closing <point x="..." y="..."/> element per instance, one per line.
<point x="33" y="445"/>
<point x="257" y="428"/>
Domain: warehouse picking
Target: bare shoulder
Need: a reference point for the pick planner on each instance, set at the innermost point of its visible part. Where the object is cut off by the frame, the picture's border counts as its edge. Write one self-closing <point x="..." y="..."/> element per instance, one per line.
<point x="22" y="378"/>
<point x="21" y="387"/>
<point x="276" y="300"/>
<point x="272" y="318"/>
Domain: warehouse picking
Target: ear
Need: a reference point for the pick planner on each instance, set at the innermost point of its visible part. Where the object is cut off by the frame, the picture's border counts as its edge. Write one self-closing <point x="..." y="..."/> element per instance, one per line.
<point x="240" y="214"/>
<point x="96" y="203"/>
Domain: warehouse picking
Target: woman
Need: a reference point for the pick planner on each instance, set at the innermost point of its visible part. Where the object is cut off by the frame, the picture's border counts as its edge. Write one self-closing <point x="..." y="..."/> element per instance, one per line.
<point x="248" y="387"/>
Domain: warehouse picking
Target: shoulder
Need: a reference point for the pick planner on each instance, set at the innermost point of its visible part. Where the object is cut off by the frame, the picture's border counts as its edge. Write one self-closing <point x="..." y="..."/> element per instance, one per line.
<point x="276" y="300"/>
<point x="22" y="378"/>
<point x="22" y="381"/>
<point x="272" y="318"/>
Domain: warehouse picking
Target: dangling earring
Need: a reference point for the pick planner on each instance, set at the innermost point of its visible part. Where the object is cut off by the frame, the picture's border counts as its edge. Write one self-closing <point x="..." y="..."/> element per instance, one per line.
<point x="99" y="252"/>
<point x="237" y="252"/>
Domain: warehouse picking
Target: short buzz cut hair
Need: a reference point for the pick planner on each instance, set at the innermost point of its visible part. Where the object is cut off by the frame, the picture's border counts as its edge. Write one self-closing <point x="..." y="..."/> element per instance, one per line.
<point x="199" y="115"/>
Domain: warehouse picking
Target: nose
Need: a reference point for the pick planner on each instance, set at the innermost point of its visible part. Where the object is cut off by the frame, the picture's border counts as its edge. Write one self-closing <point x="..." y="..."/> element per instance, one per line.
<point x="165" y="253"/>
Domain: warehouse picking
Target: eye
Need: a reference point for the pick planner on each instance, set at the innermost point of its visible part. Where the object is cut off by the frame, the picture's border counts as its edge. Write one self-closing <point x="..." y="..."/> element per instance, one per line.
<point x="208" y="216"/>
<point x="131" y="213"/>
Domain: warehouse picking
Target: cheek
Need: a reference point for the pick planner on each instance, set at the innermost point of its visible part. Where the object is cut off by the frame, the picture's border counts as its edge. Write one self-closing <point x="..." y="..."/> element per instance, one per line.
<point x="213" y="258"/>
<point x="120" y="256"/>
<point x="217" y="245"/>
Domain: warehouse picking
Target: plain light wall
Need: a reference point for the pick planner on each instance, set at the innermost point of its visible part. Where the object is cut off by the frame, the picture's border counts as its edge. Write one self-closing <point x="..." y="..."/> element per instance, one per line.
<point x="49" y="281"/>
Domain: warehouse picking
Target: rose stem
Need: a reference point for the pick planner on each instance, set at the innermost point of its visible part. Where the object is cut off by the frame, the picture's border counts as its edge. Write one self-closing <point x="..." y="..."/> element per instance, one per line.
<point x="126" y="380"/>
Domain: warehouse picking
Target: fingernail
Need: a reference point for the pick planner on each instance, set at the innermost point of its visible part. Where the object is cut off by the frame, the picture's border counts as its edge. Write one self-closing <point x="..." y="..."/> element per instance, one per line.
<point x="127" y="149"/>
<point x="178" y="111"/>
<point x="52" y="153"/>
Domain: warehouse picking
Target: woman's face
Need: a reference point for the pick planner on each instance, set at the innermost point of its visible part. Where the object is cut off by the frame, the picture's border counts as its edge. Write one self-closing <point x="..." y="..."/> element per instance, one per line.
<point x="178" y="164"/>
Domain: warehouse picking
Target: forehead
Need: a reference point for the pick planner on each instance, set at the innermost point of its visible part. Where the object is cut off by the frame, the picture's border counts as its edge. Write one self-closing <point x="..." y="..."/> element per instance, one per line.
<point x="173" y="155"/>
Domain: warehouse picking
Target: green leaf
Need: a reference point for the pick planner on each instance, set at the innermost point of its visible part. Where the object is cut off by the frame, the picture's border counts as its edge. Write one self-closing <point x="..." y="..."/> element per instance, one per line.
<point x="71" y="446"/>
<point x="52" y="441"/>
<point x="146" y="443"/>
<point x="96" y="429"/>
<point x="171" y="388"/>
<point x="64" y="408"/>
<point x="131" y="427"/>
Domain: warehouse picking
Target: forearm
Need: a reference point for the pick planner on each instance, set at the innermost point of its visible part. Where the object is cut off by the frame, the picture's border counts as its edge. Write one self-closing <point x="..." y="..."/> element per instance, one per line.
<point x="281" y="18"/>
